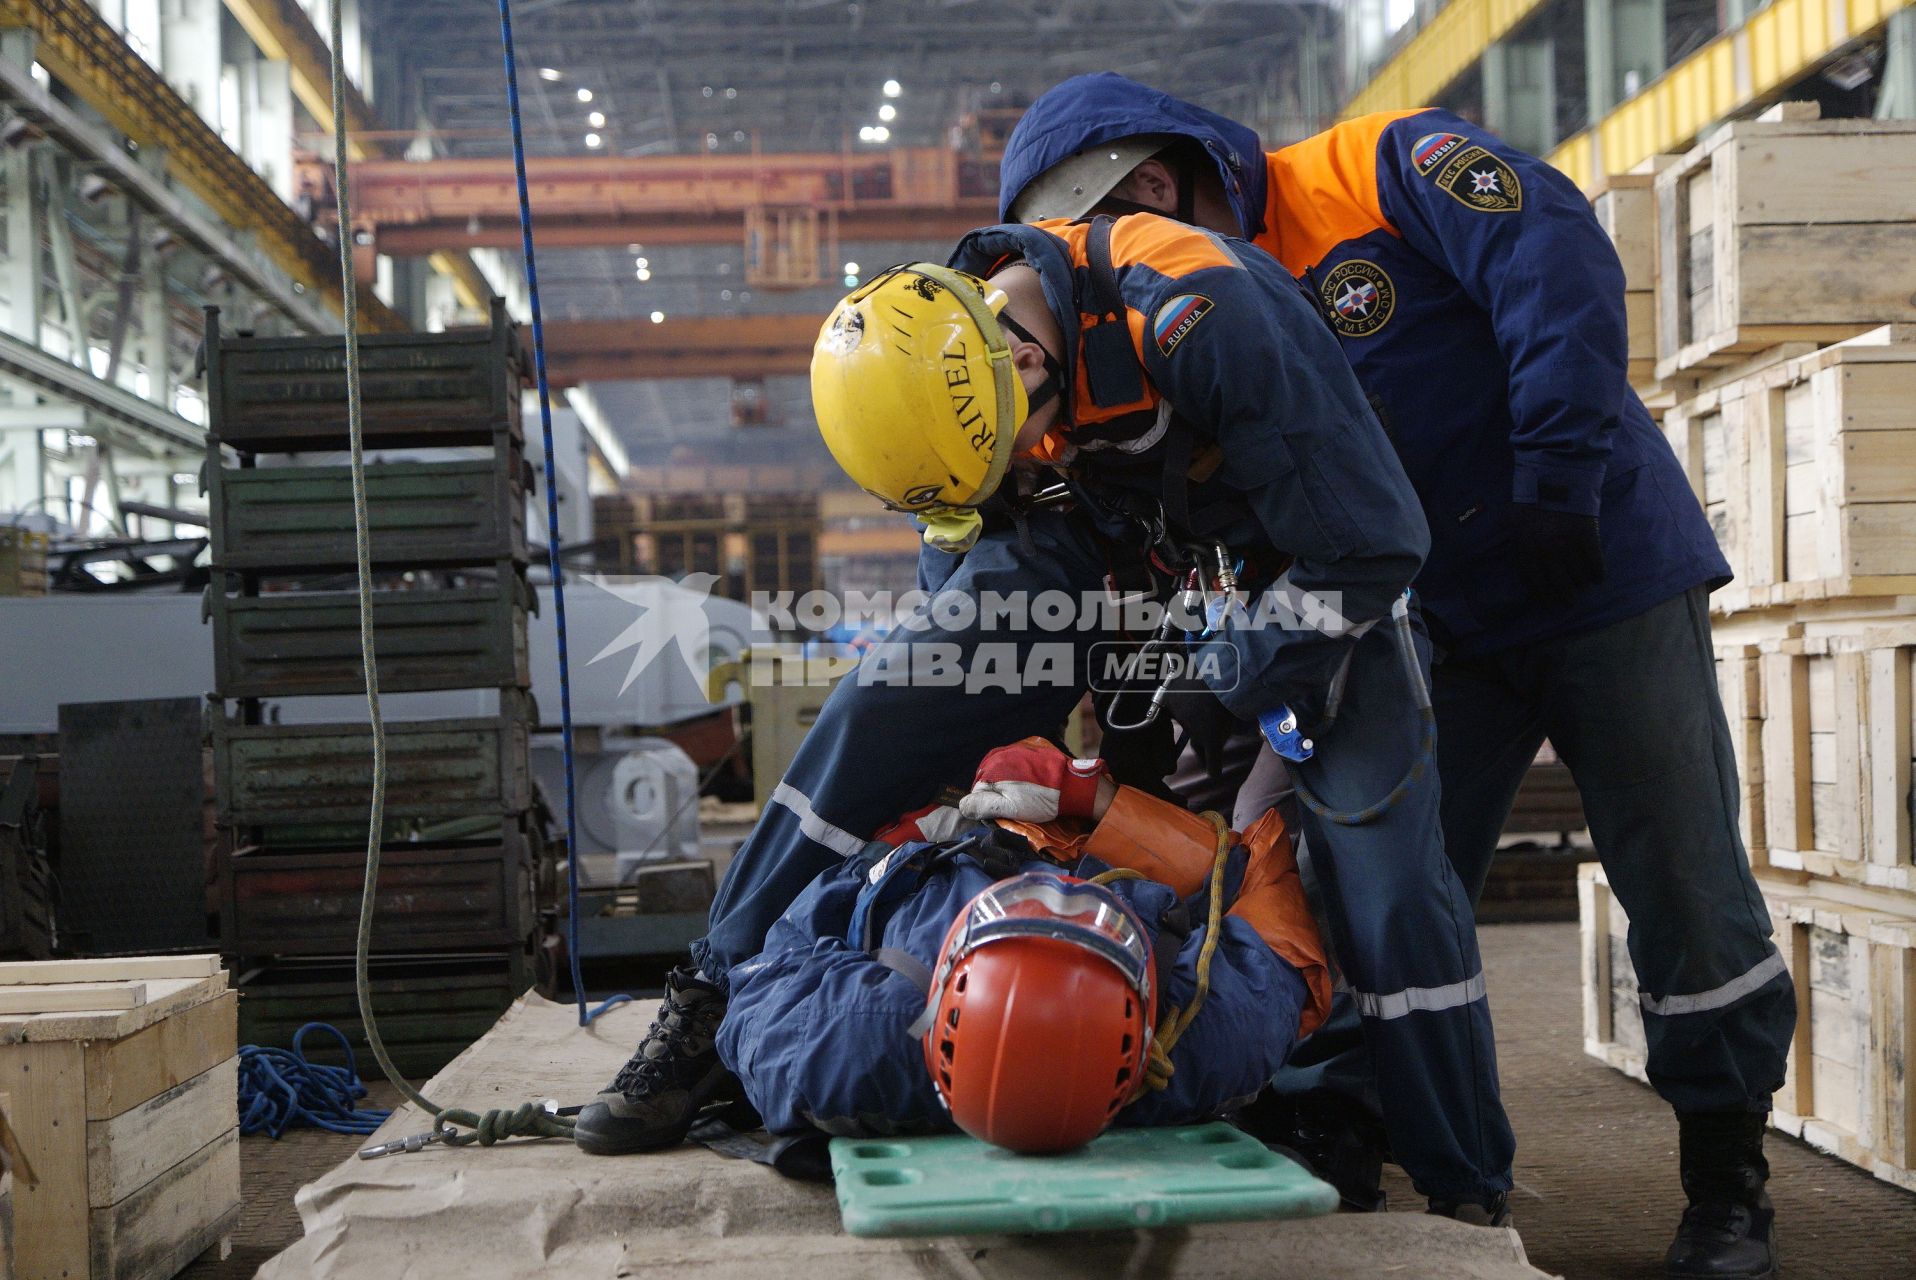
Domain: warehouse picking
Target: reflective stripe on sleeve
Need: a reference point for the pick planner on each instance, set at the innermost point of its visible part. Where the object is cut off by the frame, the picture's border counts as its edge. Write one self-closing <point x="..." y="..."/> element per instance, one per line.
<point x="837" y="839"/>
<point x="1396" y="1004"/>
<point x="1716" y="997"/>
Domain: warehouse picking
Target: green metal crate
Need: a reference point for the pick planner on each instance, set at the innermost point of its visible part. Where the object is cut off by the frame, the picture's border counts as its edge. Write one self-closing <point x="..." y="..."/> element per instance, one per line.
<point x="421" y="515"/>
<point x="288" y="644"/>
<point x="291" y="775"/>
<point x="279" y="395"/>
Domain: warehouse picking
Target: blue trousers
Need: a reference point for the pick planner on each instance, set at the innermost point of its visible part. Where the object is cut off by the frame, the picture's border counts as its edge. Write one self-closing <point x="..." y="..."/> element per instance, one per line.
<point x="1399" y="918"/>
<point x="1633" y="710"/>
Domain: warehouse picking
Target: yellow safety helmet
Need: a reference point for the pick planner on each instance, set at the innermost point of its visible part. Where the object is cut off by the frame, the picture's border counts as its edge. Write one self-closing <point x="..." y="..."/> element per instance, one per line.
<point x="917" y="397"/>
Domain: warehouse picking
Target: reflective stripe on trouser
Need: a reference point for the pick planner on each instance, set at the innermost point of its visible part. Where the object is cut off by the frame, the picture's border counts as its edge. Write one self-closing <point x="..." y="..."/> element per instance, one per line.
<point x="1633" y="709"/>
<point x="880" y="749"/>
<point x="1400" y="923"/>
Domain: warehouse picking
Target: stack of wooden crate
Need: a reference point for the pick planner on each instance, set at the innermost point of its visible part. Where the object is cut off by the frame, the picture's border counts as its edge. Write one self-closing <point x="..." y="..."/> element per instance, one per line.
<point x="120" y="1086"/>
<point x="1780" y="359"/>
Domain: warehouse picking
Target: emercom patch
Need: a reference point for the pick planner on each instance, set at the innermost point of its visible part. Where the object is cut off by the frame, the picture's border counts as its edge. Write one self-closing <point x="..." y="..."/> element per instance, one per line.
<point x="1429" y="151"/>
<point x="1358" y="298"/>
<point x="1481" y="181"/>
<point x="1178" y="317"/>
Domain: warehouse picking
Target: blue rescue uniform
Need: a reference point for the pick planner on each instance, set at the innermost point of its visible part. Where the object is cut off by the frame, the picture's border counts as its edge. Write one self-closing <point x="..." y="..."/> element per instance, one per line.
<point x="1482" y="308"/>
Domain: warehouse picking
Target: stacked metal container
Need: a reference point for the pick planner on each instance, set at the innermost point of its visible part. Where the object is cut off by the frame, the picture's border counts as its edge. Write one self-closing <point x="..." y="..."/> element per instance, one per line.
<point x="457" y="907"/>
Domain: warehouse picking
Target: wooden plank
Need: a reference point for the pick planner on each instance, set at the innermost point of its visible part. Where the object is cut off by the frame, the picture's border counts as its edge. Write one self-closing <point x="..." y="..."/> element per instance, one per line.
<point x="1673" y="265"/>
<point x="1878" y="538"/>
<point x="1861" y="274"/>
<point x="1877" y="466"/>
<point x="172" y="1219"/>
<point x="44" y="1083"/>
<point x="1893" y="1051"/>
<point x="134" y="1147"/>
<point x="1888" y="757"/>
<point x="122" y="1074"/>
<point x="1786" y="751"/>
<point x="72" y="997"/>
<point x="1640" y="319"/>
<point x="1627" y="213"/>
<point x="1845" y="834"/>
<point x="1593" y="915"/>
<point x="1765" y="420"/>
<point x="1876" y="396"/>
<point x="164" y="998"/>
<point x="1858" y="178"/>
<point x="124" y="969"/>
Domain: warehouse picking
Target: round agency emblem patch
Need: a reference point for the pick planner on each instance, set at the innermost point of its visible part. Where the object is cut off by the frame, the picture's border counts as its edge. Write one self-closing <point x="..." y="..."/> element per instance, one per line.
<point x="1358" y="298"/>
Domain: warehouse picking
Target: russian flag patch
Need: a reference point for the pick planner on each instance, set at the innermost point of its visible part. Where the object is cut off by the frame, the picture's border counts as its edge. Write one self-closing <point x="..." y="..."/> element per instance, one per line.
<point x="1177" y="318"/>
<point x="1428" y="151"/>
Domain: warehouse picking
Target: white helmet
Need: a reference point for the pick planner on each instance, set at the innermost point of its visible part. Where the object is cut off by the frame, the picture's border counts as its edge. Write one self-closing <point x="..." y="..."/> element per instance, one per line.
<point x="1069" y="188"/>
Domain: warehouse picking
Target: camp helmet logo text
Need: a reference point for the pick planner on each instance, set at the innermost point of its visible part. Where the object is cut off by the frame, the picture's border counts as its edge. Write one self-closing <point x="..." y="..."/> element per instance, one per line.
<point x="964" y="400"/>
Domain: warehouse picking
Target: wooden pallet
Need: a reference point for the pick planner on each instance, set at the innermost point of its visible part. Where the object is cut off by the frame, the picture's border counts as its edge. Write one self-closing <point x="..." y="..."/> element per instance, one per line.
<point x="1850" y="1087"/>
<point x="127" y="1112"/>
<point x="1750" y="248"/>
<point x="1625" y="207"/>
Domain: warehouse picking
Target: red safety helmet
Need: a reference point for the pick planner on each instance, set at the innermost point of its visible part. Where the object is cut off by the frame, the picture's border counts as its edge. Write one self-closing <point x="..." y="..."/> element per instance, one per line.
<point x="1040" y="1013"/>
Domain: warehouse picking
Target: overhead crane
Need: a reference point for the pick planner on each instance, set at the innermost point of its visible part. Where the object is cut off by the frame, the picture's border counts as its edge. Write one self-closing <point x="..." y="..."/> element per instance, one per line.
<point x="906" y="193"/>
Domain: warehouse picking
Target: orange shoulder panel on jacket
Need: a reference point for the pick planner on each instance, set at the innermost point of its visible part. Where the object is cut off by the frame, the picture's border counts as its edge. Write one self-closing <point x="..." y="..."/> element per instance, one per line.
<point x="1323" y="191"/>
<point x="1272" y="902"/>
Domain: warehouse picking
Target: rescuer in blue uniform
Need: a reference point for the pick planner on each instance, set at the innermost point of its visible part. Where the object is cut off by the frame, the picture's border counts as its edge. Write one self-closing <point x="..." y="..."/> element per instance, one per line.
<point x="1482" y="308"/>
<point x="1113" y="353"/>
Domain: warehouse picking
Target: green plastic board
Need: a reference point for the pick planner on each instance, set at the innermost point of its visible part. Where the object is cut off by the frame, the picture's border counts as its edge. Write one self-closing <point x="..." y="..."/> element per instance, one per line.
<point x="1127" y="1178"/>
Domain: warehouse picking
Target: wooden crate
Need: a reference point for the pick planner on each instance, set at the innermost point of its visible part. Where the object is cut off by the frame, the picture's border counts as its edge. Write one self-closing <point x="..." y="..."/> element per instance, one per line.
<point x="1837" y="727"/>
<point x="1739" y="682"/>
<point x="1625" y="207"/>
<point x="1781" y="229"/>
<point x="1807" y="469"/>
<point x="1847" y="1088"/>
<point x="127" y="1114"/>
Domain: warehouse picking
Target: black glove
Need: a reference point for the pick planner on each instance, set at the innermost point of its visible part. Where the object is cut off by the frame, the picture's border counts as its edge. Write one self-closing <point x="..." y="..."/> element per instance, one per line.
<point x="1558" y="553"/>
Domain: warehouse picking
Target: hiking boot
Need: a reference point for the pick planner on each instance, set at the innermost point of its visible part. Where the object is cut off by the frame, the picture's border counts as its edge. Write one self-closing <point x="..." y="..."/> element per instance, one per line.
<point x="1494" y="1212"/>
<point x="674" y="1075"/>
<point x="1727" y="1232"/>
<point x="1335" y="1138"/>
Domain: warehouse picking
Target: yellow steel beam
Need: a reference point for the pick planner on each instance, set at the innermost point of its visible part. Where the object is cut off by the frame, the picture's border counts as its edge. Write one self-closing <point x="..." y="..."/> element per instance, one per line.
<point x="80" y="49"/>
<point x="285" y="32"/>
<point x="1447" y="46"/>
<point x="1734" y="71"/>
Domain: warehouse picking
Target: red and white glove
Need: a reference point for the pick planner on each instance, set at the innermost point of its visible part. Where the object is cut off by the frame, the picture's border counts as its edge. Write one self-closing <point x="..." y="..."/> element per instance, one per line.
<point x="932" y="823"/>
<point x="1033" y="781"/>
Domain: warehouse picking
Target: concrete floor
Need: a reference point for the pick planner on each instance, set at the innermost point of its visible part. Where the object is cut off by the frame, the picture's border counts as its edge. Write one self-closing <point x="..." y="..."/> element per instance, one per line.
<point x="1596" y="1163"/>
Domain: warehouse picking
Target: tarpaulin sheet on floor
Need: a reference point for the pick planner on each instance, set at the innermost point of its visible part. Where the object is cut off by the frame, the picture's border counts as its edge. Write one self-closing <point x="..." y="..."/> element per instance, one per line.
<point x="537" y="1209"/>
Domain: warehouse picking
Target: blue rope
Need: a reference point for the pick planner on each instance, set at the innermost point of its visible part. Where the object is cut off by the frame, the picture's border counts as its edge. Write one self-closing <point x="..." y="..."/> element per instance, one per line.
<point x="552" y="516"/>
<point x="280" y="1090"/>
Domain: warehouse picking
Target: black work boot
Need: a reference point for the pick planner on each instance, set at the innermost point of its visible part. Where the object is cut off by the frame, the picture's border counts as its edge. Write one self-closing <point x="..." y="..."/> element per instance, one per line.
<point x="1334" y="1137"/>
<point x="1727" y="1233"/>
<point x="1494" y="1212"/>
<point x="674" y="1075"/>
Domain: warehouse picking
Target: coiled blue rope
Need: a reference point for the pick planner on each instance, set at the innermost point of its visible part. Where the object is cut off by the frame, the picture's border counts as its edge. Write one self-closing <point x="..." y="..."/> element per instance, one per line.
<point x="552" y="518"/>
<point x="280" y="1090"/>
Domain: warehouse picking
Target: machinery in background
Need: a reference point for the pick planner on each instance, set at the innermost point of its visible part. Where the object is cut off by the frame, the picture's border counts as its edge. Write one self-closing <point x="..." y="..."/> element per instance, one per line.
<point x="26" y="875"/>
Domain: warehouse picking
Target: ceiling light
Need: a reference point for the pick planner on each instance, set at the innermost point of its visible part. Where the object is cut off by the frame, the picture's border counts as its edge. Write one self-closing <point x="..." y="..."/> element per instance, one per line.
<point x="593" y="140"/>
<point x="551" y="73"/>
<point x="643" y="262"/>
<point x="887" y="113"/>
<point x="738" y="135"/>
<point x="725" y="295"/>
<point x="851" y="282"/>
<point x="635" y="248"/>
<point x="731" y="94"/>
<point x="851" y="268"/>
<point x="711" y="142"/>
<point x="658" y="317"/>
<point x="893" y="88"/>
<point x="881" y="134"/>
<point x="644" y="274"/>
<point x="596" y="119"/>
<point x="706" y="92"/>
<point x="996" y="87"/>
<point x="585" y="95"/>
<point x="865" y="133"/>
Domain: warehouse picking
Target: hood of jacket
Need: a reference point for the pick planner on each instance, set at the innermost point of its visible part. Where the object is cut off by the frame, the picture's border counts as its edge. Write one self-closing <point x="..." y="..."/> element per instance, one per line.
<point x="1085" y="111"/>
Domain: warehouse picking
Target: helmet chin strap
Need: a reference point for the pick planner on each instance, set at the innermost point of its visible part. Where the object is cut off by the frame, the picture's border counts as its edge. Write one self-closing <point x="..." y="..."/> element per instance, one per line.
<point x="1052" y="388"/>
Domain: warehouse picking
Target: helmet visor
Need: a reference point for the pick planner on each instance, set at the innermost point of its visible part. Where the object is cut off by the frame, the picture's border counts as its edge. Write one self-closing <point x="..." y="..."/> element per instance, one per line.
<point x="1045" y="906"/>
